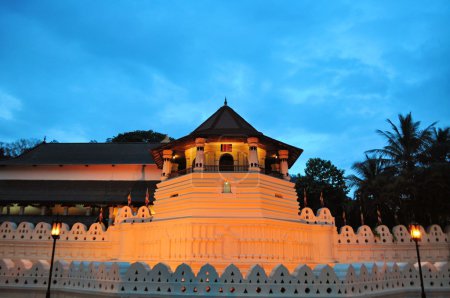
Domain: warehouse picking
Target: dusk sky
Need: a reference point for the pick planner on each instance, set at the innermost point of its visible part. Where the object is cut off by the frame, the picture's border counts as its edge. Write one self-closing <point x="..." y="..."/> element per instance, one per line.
<point x="320" y="75"/>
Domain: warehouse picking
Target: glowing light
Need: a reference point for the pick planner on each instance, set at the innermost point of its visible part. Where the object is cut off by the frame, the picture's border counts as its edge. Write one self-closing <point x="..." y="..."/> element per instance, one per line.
<point x="416" y="235"/>
<point x="226" y="187"/>
<point x="56" y="229"/>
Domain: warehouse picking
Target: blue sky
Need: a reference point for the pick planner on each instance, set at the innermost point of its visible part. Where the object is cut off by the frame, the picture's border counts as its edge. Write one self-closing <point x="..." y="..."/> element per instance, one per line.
<point x="320" y="75"/>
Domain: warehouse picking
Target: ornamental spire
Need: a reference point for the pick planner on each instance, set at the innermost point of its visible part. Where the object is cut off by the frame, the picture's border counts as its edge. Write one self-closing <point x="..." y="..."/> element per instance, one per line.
<point x="225" y="103"/>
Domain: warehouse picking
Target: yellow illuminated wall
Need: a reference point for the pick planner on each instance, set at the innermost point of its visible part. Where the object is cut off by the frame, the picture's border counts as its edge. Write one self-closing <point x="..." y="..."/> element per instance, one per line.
<point x="240" y="151"/>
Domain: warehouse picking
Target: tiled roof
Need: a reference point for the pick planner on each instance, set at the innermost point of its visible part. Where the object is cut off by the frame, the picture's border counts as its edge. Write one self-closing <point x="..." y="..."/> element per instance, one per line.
<point x="85" y="153"/>
<point x="225" y="121"/>
<point x="225" y="124"/>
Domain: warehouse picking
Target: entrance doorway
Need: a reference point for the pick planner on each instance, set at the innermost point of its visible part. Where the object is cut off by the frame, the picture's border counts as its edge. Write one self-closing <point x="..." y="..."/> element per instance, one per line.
<point x="226" y="163"/>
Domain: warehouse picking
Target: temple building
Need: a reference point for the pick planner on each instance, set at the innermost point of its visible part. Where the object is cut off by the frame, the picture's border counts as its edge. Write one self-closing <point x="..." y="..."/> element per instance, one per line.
<point x="213" y="214"/>
<point x="82" y="181"/>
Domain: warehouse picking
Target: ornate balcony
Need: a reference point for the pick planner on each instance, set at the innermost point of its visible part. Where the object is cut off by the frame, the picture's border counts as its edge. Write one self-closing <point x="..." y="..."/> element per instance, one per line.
<point x="225" y="169"/>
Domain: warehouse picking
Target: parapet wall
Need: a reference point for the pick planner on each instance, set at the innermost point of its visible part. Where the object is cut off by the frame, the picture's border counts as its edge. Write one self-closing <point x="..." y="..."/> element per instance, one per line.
<point x="385" y="245"/>
<point x="137" y="237"/>
<point x="19" y="278"/>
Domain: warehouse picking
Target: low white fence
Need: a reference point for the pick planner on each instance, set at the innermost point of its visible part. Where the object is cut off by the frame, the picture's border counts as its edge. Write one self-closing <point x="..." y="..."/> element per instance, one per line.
<point x="120" y="279"/>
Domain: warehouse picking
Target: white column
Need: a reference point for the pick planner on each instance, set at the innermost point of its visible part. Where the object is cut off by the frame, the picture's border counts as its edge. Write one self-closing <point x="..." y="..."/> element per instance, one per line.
<point x="21" y="210"/>
<point x="43" y="210"/>
<point x="88" y="210"/>
<point x="200" y="155"/>
<point x="167" y="165"/>
<point x="8" y="210"/>
<point x="66" y="210"/>
<point x="1" y="210"/>
<point x="283" y="154"/>
<point x="253" y="154"/>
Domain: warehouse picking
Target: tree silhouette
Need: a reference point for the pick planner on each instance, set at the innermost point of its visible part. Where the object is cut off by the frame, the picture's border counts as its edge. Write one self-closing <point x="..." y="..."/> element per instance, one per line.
<point x="407" y="178"/>
<point x="321" y="176"/>
<point x="16" y="148"/>
<point x="146" y="136"/>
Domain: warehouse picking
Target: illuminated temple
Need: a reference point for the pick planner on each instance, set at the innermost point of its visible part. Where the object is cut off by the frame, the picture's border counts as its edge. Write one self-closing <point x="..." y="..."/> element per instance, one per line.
<point x="222" y="219"/>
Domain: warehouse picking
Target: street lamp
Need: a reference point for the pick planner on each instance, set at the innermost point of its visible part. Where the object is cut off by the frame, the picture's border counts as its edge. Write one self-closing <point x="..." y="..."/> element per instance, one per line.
<point x="56" y="231"/>
<point x="416" y="235"/>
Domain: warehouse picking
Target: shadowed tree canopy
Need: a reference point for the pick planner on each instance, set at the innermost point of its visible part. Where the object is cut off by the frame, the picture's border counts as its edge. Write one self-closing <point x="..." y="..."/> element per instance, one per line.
<point x="146" y="136"/>
<point x="321" y="176"/>
<point x="408" y="179"/>
<point x="13" y="149"/>
<point x="407" y="143"/>
<point x="371" y="175"/>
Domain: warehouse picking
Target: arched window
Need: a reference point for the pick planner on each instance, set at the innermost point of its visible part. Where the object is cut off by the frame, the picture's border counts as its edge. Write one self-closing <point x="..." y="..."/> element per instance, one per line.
<point x="226" y="163"/>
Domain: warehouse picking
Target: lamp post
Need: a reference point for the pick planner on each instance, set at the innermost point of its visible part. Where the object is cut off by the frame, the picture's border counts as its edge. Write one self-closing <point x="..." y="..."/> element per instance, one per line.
<point x="56" y="231"/>
<point x="416" y="235"/>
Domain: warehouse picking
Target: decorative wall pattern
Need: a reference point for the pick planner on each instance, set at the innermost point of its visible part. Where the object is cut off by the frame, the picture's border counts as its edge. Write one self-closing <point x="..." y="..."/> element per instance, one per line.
<point x="120" y="278"/>
<point x="26" y="241"/>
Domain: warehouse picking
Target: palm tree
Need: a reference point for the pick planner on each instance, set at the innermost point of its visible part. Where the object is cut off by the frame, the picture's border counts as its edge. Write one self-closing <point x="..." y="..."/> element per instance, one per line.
<point x="439" y="150"/>
<point x="369" y="180"/>
<point x="367" y="172"/>
<point x="432" y="181"/>
<point x="406" y="144"/>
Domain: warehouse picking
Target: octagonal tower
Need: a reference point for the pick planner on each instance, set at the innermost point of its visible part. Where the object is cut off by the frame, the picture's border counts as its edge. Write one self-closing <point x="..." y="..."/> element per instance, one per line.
<point x="226" y="168"/>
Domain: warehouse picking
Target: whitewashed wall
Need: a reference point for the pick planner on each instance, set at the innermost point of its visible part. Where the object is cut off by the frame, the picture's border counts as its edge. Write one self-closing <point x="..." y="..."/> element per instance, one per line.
<point x="128" y="241"/>
<point x="19" y="278"/>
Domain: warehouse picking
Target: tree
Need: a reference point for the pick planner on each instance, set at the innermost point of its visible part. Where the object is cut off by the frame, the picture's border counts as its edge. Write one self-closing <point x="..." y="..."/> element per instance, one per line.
<point x="432" y="181"/>
<point x="407" y="144"/>
<point x="408" y="178"/>
<point x="18" y="147"/>
<point x="367" y="174"/>
<point x="321" y="176"/>
<point x="2" y="152"/>
<point x="146" y="136"/>
<point x="370" y="178"/>
<point x="439" y="149"/>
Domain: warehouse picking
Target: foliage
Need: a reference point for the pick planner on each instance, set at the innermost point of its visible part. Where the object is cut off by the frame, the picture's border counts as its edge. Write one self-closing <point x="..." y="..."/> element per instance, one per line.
<point x="322" y="177"/>
<point x="13" y="149"/>
<point x="146" y="136"/>
<point x="406" y="145"/>
<point x="408" y="179"/>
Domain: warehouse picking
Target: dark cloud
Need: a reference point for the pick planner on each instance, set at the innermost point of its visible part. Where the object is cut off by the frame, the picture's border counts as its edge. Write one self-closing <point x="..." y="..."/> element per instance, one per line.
<point x="321" y="75"/>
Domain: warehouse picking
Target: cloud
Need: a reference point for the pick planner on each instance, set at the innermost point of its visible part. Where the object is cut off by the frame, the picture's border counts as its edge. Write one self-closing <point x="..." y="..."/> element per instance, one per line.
<point x="235" y="79"/>
<point x="311" y="95"/>
<point x="8" y="105"/>
<point x="71" y="134"/>
<point x="303" y="72"/>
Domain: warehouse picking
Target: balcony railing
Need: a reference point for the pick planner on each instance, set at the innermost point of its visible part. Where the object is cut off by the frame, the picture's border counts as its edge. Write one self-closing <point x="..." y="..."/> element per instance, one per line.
<point x="224" y="169"/>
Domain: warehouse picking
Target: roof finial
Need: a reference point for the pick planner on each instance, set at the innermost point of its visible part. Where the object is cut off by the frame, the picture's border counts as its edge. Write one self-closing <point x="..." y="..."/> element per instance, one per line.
<point x="225" y="102"/>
